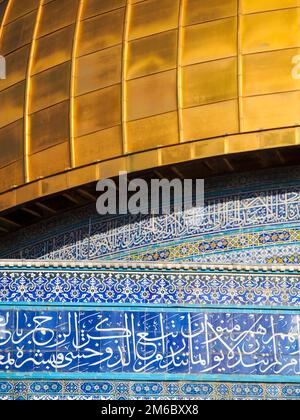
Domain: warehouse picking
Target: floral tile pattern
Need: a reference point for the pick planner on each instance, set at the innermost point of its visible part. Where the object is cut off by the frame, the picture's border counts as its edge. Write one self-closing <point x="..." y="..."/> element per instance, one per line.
<point x="55" y="318"/>
<point x="246" y="219"/>
<point x="150" y="390"/>
<point x="192" y="285"/>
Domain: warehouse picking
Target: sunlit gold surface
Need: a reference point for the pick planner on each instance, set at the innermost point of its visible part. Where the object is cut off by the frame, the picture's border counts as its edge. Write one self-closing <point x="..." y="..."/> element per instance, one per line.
<point x="98" y="86"/>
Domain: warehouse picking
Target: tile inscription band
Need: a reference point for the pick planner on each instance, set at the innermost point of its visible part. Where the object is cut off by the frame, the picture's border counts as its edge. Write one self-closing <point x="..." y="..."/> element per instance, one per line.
<point x="247" y="219"/>
<point x="209" y="344"/>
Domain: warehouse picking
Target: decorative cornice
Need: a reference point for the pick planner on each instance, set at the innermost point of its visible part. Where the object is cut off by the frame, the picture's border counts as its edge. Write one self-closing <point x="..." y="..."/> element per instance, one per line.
<point x="148" y="266"/>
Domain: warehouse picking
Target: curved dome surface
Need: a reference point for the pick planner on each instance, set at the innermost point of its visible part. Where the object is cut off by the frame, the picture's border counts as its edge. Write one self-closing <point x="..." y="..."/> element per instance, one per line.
<point x="98" y="86"/>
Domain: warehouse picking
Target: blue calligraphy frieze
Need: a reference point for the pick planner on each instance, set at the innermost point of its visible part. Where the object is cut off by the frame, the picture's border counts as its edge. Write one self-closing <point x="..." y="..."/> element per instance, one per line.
<point x="140" y="342"/>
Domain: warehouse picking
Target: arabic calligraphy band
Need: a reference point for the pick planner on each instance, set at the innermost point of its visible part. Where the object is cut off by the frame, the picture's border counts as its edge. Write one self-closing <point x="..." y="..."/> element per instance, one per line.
<point x="195" y="342"/>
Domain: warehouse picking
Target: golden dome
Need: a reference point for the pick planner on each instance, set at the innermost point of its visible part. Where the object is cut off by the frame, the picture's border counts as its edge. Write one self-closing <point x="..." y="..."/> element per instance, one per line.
<point x="98" y="86"/>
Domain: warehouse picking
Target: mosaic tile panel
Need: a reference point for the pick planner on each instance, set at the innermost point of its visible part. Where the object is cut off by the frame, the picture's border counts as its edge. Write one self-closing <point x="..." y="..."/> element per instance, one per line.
<point x="150" y="390"/>
<point x="120" y="342"/>
<point x="193" y="285"/>
<point x="194" y="342"/>
<point x="247" y="219"/>
<point x="227" y="245"/>
<point x="251" y="219"/>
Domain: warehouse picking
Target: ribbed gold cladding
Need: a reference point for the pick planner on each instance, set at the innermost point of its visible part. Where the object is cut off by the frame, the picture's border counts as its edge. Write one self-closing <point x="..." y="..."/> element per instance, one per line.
<point x="96" y="86"/>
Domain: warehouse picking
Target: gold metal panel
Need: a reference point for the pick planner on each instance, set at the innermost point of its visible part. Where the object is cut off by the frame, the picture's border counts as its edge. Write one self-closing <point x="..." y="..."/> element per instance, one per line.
<point x="197" y="11"/>
<point x="20" y="8"/>
<point x="3" y="5"/>
<point x="280" y="138"/>
<point x="28" y="191"/>
<point x="152" y="95"/>
<point x="261" y="140"/>
<point x="111" y="91"/>
<point x="269" y="72"/>
<point x="56" y="15"/>
<point x="101" y="32"/>
<point x="108" y="168"/>
<point x="253" y="6"/>
<point x="49" y="126"/>
<point x="153" y="16"/>
<point x="200" y="122"/>
<point x="142" y="161"/>
<point x="209" y="41"/>
<point x="50" y="87"/>
<point x="270" y="30"/>
<point x="50" y="161"/>
<point x="51" y="51"/>
<point x="209" y="82"/>
<point x="102" y="145"/>
<point x="98" y="110"/>
<point x="58" y="182"/>
<point x="12" y="100"/>
<point x="8" y="199"/>
<point x="81" y="176"/>
<point x="93" y="8"/>
<point x="16" y="66"/>
<point x="152" y="54"/>
<point x="17" y="34"/>
<point x="265" y="112"/>
<point x="11" y="175"/>
<point x="207" y="148"/>
<point x="11" y="144"/>
<point x="170" y="155"/>
<point x="149" y="133"/>
<point x="98" y="70"/>
<point x="242" y="143"/>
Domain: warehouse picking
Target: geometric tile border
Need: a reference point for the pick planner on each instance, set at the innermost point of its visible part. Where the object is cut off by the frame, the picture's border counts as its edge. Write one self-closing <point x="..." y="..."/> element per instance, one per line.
<point x="148" y="283"/>
<point x="116" y="390"/>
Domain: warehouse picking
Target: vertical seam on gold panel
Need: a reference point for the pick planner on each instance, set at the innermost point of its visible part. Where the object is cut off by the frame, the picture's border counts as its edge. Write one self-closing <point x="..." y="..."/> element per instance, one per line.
<point x="179" y="69"/>
<point x="27" y="94"/>
<point x="240" y="68"/>
<point x="124" y="75"/>
<point x="73" y="83"/>
<point x="8" y="6"/>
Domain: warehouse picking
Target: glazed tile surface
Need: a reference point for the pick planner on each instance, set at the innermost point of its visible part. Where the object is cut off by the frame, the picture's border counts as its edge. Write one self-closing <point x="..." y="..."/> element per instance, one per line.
<point x="144" y="343"/>
<point x="150" y="390"/>
<point x="246" y="219"/>
<point x="145" y="286"/>
<point x="78" y="330"/>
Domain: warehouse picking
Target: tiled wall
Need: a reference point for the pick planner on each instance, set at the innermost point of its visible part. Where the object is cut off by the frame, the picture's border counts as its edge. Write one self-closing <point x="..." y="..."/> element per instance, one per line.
<point x="205" y="332"/>
<point x="167" y="343"/>
<point x="247" y="219"/>
<point x="78" y="331"/>
<point x="150" y="390"/>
